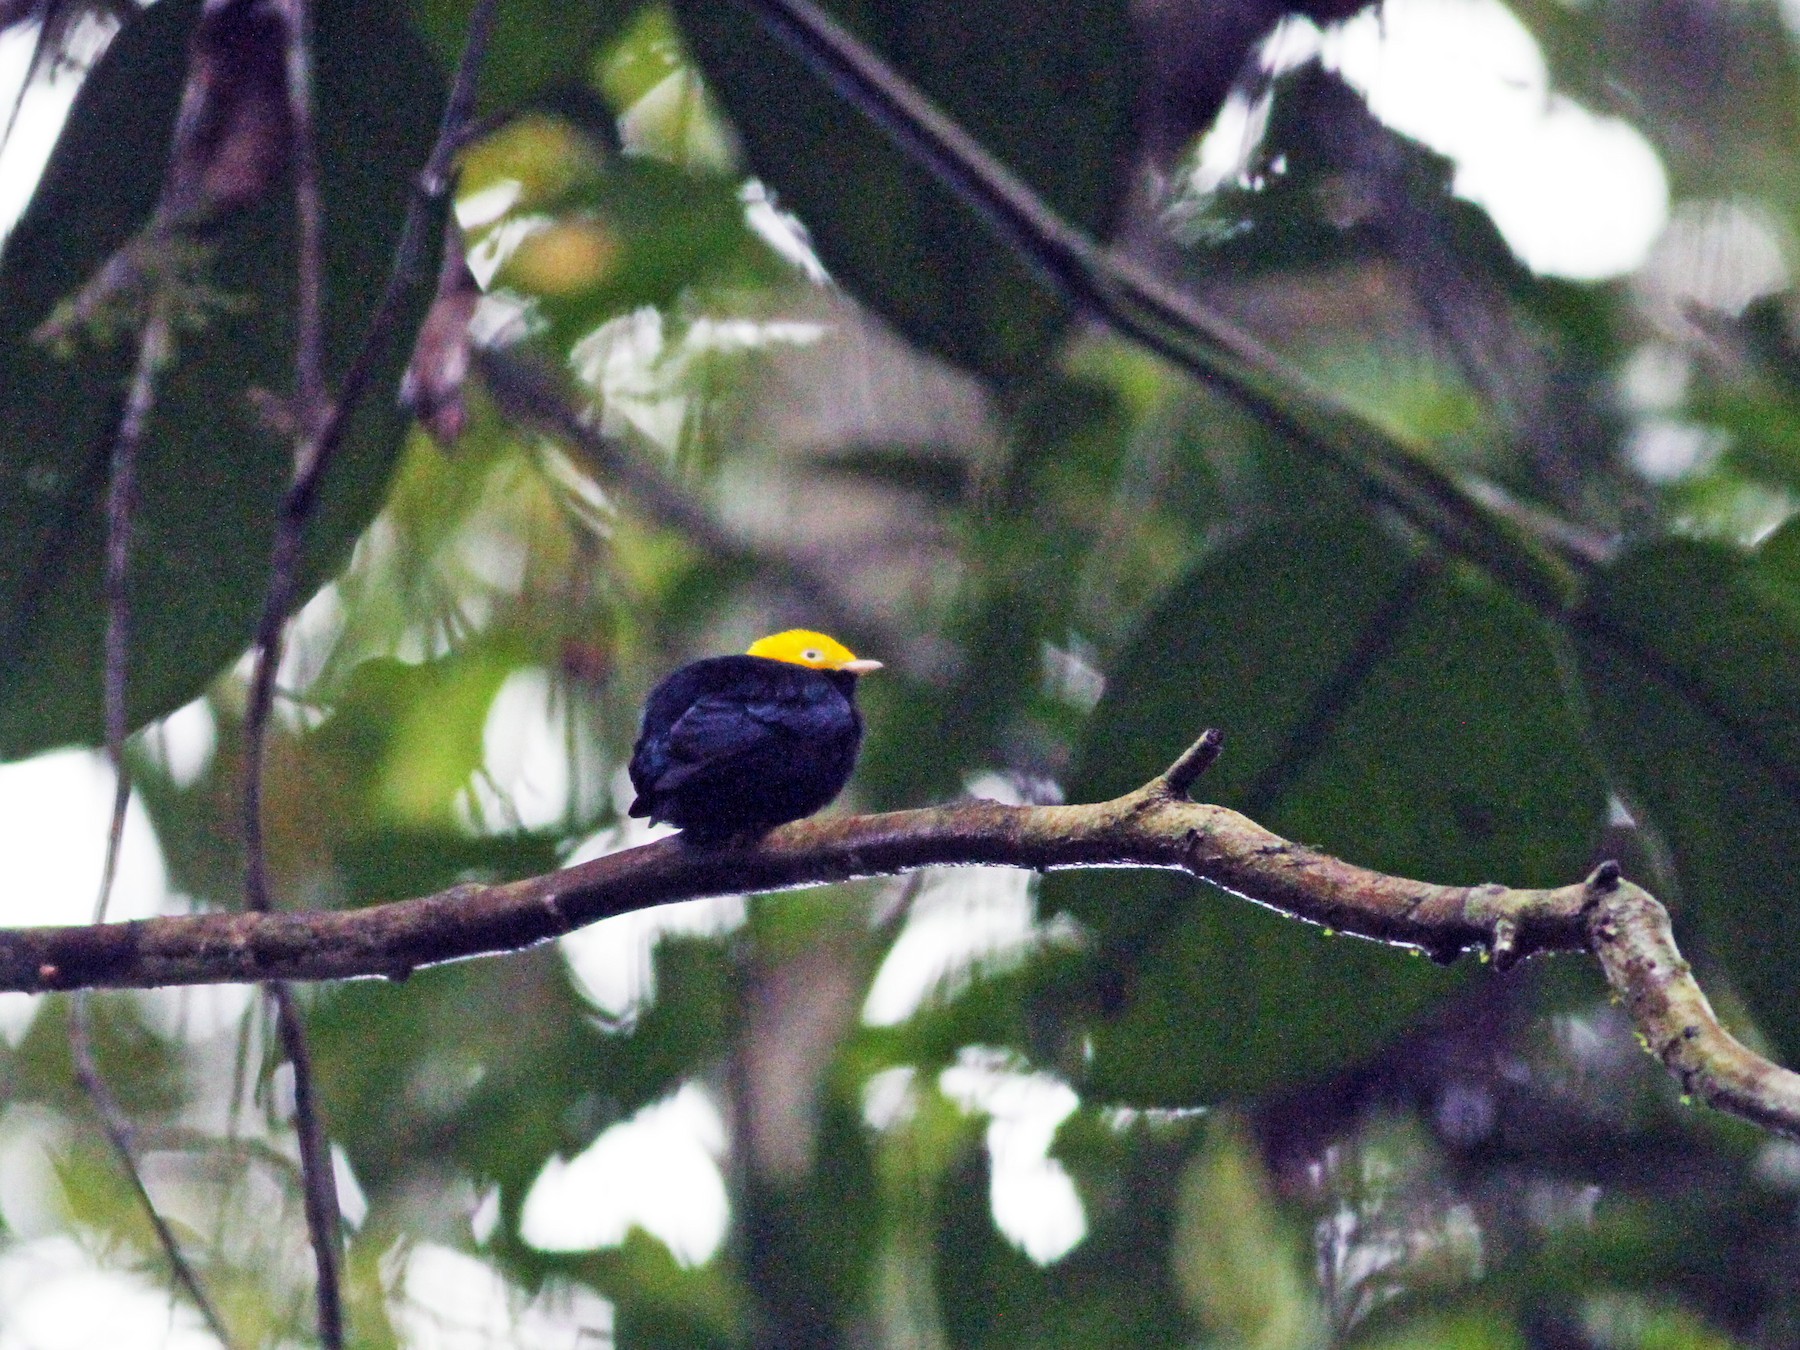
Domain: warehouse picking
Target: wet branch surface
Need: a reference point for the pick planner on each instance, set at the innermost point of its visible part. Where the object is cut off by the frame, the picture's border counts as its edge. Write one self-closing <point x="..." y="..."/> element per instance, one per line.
<point x="1155" y="826"/>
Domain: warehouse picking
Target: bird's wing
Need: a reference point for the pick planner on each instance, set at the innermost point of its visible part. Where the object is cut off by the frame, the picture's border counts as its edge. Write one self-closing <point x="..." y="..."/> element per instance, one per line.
<point x="717" y="729"/>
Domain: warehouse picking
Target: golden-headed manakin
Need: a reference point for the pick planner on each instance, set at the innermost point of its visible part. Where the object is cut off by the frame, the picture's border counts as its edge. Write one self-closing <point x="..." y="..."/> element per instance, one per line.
<point x="733" y="745"/>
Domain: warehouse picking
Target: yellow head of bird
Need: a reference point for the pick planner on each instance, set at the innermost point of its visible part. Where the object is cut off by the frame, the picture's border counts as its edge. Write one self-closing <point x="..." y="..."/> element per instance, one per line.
<point x="803" y="647"/>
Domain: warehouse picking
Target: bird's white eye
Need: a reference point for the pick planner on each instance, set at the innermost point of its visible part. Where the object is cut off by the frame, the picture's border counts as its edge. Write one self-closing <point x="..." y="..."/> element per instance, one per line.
<point x="812" y="654"/>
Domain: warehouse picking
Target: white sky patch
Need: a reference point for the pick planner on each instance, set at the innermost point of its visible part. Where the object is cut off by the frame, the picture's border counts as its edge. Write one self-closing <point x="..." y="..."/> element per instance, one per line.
<point x="448" y="1300"/>
<point x="612" y="961"/>
<point x="525" y="751"/>
<point x="184" y="741"/>
<point x="54" y="1295"/>
<point x="658" y="1171"/>
<point x="490" y="253"/>
<point x="32" y="1204"/>
<point x="781" y="231"/>
<point x="54" y="813"/>
<point x="1655" y="378"/>
<point x="1576" y="194"/>
<point x="43" y="110"/>
<point x="1035" y="1202"/>
<point x="1225" y="150"/>
<point x="671" y="121"/>
<point x="484" y="1219"/>
<point x="1072" y="673"/>
<point x="641" y="370"/>
<point x="353" y="1202"/>
<point x="960" y="919"/>
<point x="17" y="1012"/>
<point x="193" y="1014"/>
<point x="1119" y="1119"/>
<point x="621" y="359"/>
<point x="890" y="1097"/>
<point x="738" y="335"/>
<point x="1665" y="449"/>
<point x="477" y="210"/>
<point x="1721" y="255"/>
<point x="490" y="552"/>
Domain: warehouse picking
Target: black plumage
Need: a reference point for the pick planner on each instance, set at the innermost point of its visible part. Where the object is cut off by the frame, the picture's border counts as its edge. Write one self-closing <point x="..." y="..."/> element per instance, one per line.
<point x="737" y="744"/>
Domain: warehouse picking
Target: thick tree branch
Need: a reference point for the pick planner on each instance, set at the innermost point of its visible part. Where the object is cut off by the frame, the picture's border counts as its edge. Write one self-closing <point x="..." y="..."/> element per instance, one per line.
<point x="1152" y="827"/>
<point x="1629" y="931"/>
<point x="1155" y="826"/>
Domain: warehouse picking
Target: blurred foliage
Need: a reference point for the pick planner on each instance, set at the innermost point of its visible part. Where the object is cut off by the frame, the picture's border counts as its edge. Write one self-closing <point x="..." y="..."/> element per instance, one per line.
<point x="212" y="467"/>
<point x="1055" y="111"/>
<point x="964" y="1109"/>
<point x="1692" y="649"/>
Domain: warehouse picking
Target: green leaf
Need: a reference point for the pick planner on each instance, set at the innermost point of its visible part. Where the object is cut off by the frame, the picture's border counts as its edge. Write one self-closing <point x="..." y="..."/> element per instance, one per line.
<point x="140" y="1067"/>
<point x="621" y="233"/>
<point x="211" y="470"/>
<point x="1046" y="87"/>
<point x="1486" y="1328"/>
<point x="1238" y="1266"/>
<point x="489" y="1067"/>
<point x="1400" y="714"/>
<point x="537" y="45"/>
<point x="413" y="733"/>
<point x="1691" y="651"/>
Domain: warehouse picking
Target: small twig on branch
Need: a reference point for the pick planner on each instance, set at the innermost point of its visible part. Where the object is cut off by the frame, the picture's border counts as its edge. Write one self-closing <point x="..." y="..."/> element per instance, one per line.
<point x="1194" y="761"/>
<point x="121" y="510"/>
<point x="327" y="432"/>
<point x="309" y="217"/>
<point x="318" y="1175"/>
<point x="1150" y="827"/>
<point x="322" y="429"/>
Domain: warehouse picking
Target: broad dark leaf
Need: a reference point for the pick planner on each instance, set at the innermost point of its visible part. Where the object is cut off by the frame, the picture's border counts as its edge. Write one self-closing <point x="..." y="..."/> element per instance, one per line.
<point x="1692" y="656"/>
<point x="1388" y="709"/>
<point x="1046" y="87"/>
<point x="212" y="470"/>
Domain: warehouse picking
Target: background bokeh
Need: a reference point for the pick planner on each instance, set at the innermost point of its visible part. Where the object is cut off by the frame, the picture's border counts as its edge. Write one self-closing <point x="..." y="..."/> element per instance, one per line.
<point x="1546" y="248"/>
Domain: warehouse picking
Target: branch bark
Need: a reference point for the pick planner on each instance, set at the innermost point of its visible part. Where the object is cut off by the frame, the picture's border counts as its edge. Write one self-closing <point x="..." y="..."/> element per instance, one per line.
<point x="1154" y="826"/>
